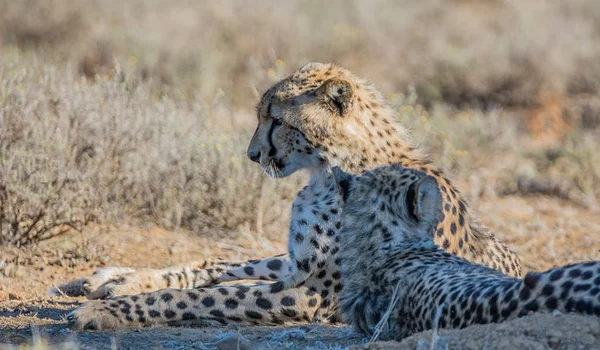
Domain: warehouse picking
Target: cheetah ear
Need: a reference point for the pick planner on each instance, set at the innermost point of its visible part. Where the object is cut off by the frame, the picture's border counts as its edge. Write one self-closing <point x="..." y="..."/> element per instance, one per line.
<point x="343" y="182"/>
<point x="338" y="93"/>
<point x="427" y="201"/>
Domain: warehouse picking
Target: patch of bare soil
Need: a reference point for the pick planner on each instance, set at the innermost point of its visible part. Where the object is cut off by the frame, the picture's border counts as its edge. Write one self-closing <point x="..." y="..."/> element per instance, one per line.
<point x="533" y="332"/>
<point x="544" y="231"/>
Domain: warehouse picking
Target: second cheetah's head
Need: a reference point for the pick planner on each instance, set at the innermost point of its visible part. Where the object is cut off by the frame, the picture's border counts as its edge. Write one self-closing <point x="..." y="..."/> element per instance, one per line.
<point x="406" y="202"/>
<point x="322" y="116"/>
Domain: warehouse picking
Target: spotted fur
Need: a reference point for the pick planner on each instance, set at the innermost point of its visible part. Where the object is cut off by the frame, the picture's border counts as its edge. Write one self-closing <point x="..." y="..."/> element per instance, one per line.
<point x="319" y="117"/>
<point x="389" y="260"/>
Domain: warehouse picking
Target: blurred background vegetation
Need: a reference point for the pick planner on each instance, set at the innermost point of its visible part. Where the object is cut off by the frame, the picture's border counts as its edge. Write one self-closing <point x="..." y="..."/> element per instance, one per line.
<point x="140" y="111"/>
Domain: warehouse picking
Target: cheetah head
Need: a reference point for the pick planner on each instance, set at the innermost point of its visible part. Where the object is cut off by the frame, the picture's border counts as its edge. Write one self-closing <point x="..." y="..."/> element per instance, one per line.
<point x="321" y="116"/>
<point x="405" y="201"/>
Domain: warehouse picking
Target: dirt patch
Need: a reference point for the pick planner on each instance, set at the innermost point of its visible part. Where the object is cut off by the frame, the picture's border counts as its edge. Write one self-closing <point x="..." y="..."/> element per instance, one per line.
<point x="544" y="231"/>
<point x="540" y="331"/>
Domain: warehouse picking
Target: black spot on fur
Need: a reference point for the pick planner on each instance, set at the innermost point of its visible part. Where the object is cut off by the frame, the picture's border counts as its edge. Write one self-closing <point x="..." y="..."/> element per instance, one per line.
<point x="274" y="265"/>
<point x="584" y="307"/>
<point x="192" y="295"/>
<point x="264" y="303"/>
<point x="170" y="314"/>
<point x="217" y="313"/>
<point x="556" y="275"/>
<point x="532" y="306"/>
<point x="154" y="313"/>
<point x="231" y="303"/>
<point x="446" y="244"/>
<point x="548" y="290"/>
<point x="289" y="312"/>
<point x="188" y="316"/>
<point x="249" y="270"/>
<point x="276" y="287"/>
<point x="208" y="301"/>
<point x="524" y="294"/>
<point x="315" y="243"/>
<point x="166" y="297"/>
<point x="551" y="303"/>
<point x="303" y="265"/>
<point x="318" y="229"/>
<point x="288" y="301"/>
<point x="241" y="292"/>
<point x="223" y="291"/>
<point x="531" y="280"/>
<point x="253" y="314"/>
<point x="586" y="275"/>
<point x="582" y="287"/>
<point x="181" y="305"/>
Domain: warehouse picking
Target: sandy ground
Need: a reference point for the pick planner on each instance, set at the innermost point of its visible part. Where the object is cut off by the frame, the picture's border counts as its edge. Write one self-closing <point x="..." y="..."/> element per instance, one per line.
<point x="544" y="231"/>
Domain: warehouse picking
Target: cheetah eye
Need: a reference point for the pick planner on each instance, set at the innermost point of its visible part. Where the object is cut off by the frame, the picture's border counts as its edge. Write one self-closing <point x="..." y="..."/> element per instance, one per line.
<point x="274" y="111"/>
<point x="410" y="202"/>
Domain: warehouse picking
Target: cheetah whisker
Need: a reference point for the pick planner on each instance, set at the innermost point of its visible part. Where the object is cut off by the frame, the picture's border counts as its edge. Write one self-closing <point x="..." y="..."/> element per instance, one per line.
<point x="383" y="322"/>
<point x="436" y="322"/>
<point x="59" y="291"/>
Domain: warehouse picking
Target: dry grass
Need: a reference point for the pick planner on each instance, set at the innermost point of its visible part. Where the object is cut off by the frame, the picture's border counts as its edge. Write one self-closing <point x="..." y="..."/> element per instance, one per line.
<point x="118" y="111"/>
<point x="74" y="151"/>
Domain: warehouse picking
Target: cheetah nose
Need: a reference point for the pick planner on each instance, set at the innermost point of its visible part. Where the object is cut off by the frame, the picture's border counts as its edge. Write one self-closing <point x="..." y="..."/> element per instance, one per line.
<point x="254" y="155"/>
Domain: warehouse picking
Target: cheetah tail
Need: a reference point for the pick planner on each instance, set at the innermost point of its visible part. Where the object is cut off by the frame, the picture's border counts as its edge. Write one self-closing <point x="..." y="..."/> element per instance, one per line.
<point x="571" y="288"/>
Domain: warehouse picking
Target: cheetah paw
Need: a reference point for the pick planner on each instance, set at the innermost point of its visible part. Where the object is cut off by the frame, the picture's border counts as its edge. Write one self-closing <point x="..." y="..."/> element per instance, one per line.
<point x="94" y="287"/>
<point x="95" y="315"/>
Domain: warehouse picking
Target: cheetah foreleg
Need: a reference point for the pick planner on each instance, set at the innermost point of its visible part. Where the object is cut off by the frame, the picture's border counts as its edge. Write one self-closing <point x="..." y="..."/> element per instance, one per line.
<point x="114" y="281"/>
<point x="195" y="275"/>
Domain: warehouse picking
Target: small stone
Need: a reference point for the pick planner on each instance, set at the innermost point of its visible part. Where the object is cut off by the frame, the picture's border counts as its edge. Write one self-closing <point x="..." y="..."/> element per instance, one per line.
<point x="556" y="313"/>
<point x="13" y="296"/>
<point x="233" y="343"/>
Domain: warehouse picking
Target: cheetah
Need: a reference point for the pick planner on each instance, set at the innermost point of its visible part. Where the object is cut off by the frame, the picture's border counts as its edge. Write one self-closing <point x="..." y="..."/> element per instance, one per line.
<point x="319" y="117"/>
<point x="391" y="265"/>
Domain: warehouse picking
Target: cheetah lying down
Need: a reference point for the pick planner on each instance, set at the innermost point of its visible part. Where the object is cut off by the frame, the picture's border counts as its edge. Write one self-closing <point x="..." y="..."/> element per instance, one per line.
<point x="392" y="266"/>
<point x="319" y="117"/>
